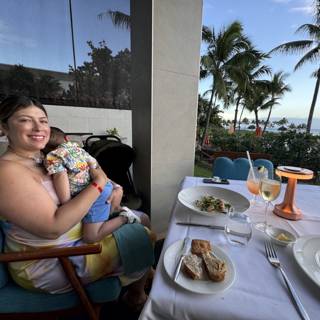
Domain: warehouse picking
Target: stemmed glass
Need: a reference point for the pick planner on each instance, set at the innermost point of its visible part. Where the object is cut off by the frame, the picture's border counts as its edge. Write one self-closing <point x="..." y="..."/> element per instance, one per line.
<point x="269" y="190"/>
<point x="253" y="181"/>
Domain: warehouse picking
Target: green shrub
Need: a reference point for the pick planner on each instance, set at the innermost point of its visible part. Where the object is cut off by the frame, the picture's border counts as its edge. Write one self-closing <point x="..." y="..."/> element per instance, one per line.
<point x="286" y="148"/>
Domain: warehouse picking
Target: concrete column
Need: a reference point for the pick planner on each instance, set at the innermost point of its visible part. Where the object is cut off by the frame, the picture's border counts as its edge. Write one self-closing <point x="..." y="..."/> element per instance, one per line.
<point x="166" y="38"/>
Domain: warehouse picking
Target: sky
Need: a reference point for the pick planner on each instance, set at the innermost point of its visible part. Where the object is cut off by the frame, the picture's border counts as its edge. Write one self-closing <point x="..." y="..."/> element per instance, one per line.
<point x="36" y="33"/>
<point x="269" y="23"/>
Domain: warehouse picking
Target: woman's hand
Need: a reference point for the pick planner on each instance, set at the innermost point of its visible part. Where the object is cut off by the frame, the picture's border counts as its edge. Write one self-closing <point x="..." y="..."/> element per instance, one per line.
<point x="115" y="199"/>
<point x="98" y="176"/>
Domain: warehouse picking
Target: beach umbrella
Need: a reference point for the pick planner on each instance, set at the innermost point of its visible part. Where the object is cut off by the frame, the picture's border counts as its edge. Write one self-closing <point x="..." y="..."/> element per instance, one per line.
<point x="282" y="128"/>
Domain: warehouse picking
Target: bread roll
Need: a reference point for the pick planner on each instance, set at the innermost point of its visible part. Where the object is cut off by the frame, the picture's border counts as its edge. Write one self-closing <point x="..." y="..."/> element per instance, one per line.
<point x="215" y="268"/>
<point x="192" y="266"/>
<point x="200" y="246"/>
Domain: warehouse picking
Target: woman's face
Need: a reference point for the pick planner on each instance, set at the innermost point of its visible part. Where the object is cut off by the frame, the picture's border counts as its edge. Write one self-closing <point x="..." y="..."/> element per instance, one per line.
<point x="28" y="129"/>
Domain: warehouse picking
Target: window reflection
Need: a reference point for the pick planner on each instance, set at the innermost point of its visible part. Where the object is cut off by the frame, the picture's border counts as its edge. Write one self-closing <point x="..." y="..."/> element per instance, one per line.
<point x="37" y="56"/>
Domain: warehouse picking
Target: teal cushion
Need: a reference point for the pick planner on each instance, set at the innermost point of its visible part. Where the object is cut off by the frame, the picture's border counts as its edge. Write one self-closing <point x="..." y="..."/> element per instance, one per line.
<point x="14" y="299"/>
<point x="238" y="169"/>
<point x="135" y="247"/>
<point x="3" y="268"/>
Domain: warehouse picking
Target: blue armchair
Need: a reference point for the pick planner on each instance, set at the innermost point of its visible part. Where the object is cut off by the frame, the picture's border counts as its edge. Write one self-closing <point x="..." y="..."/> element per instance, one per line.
<point x="238" y="169"/>
<point x="18" y="303"/>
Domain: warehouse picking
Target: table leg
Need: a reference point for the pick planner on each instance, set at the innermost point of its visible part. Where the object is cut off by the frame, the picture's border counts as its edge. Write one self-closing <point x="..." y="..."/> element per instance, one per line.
<point x="287" y="209"/>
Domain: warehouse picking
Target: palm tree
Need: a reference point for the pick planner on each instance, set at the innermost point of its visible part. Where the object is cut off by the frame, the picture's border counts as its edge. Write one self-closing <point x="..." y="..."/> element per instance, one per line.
<point x="252" y="73"/>
<point x="277" y="89"/>
<point x="118" y="18"/>
<point x="244" y="74"/>
<point x="310" y="48"/>
<point x="258" y="98"/>
<point x="224" y="54"/>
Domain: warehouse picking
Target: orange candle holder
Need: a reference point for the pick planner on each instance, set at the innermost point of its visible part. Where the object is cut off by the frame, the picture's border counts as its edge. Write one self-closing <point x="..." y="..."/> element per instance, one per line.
<point x="287" y="208"/>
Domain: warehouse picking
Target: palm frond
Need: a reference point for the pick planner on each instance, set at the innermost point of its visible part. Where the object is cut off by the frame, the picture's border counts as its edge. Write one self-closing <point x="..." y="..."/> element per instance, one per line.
<point x="207" y="34"/>
<point x="315" y="74"/>
<point x="293" y="46"/>
<point x="311" y="29"/>
<point x="118" y="18"/>
<point x="262" y="70"/>
<point x="311" y="56"/>
<point x="268" y="104"/>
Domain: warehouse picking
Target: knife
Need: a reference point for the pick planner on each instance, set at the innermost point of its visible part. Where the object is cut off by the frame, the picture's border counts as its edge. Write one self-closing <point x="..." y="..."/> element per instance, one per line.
<point x="208" y="226"/>
<point x="200" y="225"/>
<point x="184" y="251"/>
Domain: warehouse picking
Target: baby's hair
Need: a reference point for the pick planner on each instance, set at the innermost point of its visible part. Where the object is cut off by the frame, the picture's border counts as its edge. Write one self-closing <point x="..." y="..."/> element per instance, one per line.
<point x="57" y="137"/>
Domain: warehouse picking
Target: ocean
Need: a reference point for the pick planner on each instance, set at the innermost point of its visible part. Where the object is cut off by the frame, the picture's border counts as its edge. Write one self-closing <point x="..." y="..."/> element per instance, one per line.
<point x="315" y="128"/>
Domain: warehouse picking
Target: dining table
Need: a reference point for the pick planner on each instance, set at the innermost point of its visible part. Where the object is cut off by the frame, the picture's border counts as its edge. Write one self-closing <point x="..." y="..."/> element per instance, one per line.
<point x="258" y="291"/>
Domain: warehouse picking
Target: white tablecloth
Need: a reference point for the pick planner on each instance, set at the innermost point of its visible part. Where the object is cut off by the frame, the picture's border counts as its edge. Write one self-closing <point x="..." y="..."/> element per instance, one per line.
<point x="259" y="291"/>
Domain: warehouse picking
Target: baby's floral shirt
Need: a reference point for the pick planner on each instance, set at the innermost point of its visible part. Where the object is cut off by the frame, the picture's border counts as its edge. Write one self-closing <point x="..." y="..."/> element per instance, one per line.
<point x="75" y="161"/>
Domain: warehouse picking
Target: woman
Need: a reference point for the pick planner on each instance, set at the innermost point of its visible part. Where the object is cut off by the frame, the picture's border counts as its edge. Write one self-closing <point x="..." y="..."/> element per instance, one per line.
<point x="31" y="213"/>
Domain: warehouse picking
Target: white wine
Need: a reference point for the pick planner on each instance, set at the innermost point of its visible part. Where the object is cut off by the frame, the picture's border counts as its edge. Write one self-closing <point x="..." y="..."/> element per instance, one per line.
<point x="269" y="189"/>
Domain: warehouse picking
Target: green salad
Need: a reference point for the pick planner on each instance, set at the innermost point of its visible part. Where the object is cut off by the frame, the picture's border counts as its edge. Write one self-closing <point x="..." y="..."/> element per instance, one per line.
<point x="212" y="204"/>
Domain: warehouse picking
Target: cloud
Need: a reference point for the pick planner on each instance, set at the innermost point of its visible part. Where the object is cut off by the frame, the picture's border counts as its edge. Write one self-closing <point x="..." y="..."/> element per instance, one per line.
<point x="306" y="7"/>
<point x="8" y="38"/>
<point x="307" y="10"/>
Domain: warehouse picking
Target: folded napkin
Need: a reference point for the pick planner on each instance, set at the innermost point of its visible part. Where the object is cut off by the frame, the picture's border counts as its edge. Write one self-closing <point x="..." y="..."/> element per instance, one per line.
<point x="135" y="247"/>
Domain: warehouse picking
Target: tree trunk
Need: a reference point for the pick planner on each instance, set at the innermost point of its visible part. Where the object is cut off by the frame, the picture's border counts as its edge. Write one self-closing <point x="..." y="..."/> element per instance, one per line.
<point x="313" y="103"/>
<point x="240" y="117"/>
<point x="207" y="119"/>
<point x="236" y="114"/>
<point x="256" y="116"/>
<point x="268" y="118"/>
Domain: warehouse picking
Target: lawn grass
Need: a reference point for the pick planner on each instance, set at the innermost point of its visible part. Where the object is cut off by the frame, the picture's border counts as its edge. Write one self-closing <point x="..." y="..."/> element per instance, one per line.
<point x="201" y="171"/>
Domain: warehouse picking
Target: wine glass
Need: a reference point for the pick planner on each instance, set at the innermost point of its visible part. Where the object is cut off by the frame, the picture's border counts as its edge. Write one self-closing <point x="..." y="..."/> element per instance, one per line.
<point x="269" y="190"/>
<point x="253" y="181"/>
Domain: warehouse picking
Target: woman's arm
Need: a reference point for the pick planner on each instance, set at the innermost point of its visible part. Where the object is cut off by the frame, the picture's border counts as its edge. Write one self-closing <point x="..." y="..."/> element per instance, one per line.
<point x="26" y="203"/>
<point x="62" y="186"/>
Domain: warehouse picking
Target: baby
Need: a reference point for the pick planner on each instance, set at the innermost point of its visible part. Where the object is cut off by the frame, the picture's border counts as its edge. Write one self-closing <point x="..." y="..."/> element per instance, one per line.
<point x="70" y="166"/>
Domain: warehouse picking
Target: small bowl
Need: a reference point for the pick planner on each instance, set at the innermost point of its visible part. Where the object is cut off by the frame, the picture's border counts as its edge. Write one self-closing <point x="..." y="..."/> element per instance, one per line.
<point x="280" y="236"/>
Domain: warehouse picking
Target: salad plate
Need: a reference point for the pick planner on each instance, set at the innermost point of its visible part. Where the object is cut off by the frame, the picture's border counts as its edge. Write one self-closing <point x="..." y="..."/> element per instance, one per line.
<point x="193" y="197"/>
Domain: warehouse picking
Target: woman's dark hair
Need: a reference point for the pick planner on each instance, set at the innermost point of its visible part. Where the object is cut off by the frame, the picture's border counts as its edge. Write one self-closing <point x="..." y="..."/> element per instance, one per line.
<point x="13" y="103"/>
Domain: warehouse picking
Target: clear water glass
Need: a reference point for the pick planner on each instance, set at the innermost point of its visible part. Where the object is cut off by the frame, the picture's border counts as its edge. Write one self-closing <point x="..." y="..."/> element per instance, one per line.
<point x="238" y="228"/>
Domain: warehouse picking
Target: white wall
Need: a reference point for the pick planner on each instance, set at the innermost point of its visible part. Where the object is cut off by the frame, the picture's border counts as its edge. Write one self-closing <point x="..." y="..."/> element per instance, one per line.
<point x="95" y="120"/>
<point x="166" y="39"/>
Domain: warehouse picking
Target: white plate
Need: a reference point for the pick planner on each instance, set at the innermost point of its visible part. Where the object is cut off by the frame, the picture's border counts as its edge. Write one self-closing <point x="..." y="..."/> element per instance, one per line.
<point x="306" y="251"/>
<point x="171" y="258"/>
<point x="293" y="169"/>
<point x="188" y="197"/>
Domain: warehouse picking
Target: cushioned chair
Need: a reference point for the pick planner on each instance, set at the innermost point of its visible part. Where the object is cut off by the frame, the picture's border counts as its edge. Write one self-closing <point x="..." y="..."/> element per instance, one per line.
<point x="238" y="169"/>
<point x="18" y="303"/>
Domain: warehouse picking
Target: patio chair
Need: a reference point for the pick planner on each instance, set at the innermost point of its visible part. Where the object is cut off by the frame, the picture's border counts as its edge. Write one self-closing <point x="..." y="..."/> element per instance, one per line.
<point x="238" y="169"/>
<point x="19" y="303"/>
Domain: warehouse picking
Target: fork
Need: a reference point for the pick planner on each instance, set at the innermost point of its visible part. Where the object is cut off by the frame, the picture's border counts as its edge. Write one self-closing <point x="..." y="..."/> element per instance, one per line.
<point x="273" y="259"/>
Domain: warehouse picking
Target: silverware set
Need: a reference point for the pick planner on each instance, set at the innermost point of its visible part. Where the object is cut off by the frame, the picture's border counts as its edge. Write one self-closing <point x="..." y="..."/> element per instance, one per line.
<point x="273" y="259"/>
